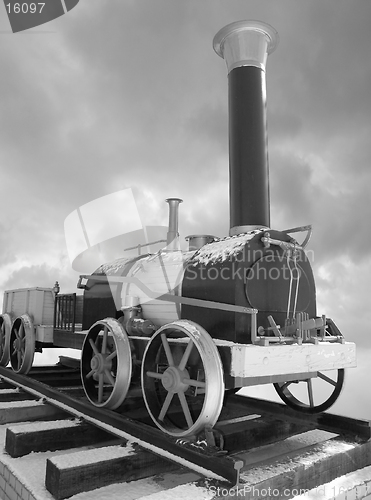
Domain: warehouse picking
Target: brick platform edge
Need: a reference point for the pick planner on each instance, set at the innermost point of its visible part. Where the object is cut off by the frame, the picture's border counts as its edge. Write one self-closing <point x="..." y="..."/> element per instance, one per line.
<point x="353" y="486"/>
<point x="10" y="486"/>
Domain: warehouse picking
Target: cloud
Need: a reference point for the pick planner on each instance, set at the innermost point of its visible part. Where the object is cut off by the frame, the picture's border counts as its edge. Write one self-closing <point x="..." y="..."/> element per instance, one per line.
<point x="134" y="96"/>
<point x="42" y="275"/>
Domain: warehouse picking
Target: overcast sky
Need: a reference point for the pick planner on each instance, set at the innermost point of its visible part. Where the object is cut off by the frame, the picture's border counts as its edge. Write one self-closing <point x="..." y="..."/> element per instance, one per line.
<point x="130" y="94"/>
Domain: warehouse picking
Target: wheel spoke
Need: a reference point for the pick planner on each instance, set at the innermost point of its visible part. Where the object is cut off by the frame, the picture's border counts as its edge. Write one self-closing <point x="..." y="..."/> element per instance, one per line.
<point x="310" y="392"/>
<point x="194" y="383"/>
<point x="110" y="378"/>
<point x="104" y="343"/>
<point x="185" y="409"/>
<point x="19" y="359"/>
<point x="93" y="346"/>
<point x="166" y="405"/>
<point x="168" y="353"/>
<point x="327" y="379"/>
<point x="100" y="387"/>
<point x="90" y="374"/>
<point x="111" y="356"/>
<point x="285" y="385"/>
<point x="155" y="375"/>
<point x="186" y="354"/>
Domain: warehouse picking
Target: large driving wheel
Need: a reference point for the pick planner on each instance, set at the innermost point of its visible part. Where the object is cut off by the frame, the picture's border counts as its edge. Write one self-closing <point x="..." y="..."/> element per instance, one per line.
<point x="5" y="329"/>
<point x="106" y="364"/>
<point x="182" y="379"/>
<point x="22" y="344"/>
<point x="312" y="395"/>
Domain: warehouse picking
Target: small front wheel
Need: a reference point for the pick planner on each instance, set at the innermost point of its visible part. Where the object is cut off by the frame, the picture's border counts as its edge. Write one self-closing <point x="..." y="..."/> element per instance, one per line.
<point x="312" y="395"/>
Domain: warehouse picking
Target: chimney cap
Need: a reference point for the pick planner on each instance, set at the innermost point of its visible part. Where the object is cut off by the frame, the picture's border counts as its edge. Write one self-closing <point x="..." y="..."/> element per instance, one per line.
<point x="238" y="26"/>
<point x="168" y="200"/>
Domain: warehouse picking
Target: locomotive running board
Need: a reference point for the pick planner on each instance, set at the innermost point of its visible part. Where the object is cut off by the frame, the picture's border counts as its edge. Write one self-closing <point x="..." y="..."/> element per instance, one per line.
<point x="170" y="297"/>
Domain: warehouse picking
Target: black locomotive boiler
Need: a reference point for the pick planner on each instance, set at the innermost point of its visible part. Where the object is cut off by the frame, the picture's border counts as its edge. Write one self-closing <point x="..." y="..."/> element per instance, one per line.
<point x="184" y="327"/>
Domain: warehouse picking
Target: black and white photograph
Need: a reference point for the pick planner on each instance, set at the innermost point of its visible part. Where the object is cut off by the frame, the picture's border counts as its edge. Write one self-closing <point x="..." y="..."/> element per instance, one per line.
<point x="185" y="249"/>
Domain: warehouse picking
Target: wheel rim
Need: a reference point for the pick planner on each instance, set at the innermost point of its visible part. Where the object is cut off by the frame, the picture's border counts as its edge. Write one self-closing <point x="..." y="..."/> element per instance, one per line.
<point x="22" y="344"/>
<point x="182" y="379"/>
<point x="106" y="364"/>
<point x="312" y="395"/>
<point x="5" y="329"/>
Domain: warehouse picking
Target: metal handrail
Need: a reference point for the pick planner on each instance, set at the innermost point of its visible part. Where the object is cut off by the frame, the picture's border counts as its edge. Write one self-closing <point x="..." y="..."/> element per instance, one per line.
<point x="65" y="311"/>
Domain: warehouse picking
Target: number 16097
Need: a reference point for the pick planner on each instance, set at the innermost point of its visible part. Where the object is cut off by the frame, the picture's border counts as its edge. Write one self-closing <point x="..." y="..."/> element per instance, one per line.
<point x="24" y="8"/>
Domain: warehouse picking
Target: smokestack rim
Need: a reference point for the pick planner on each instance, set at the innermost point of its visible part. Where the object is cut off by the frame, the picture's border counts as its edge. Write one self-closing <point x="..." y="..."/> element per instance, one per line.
<point x="168" y="200"/>
<point x="238" y="26"/>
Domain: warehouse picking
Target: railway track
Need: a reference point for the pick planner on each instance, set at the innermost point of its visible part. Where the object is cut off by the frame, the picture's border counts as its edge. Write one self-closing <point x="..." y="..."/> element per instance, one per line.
<point x="255" y="443"/>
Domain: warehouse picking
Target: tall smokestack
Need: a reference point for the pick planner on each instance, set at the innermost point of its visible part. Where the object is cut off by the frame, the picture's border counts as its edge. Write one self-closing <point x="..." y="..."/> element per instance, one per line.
<point x="245" y="46"/>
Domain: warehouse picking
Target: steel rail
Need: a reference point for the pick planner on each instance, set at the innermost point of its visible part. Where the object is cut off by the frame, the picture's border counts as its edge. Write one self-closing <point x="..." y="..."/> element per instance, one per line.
<point x="204" y="462"/>
<point x="330" y="422"/>
<point x="207" y="464"/>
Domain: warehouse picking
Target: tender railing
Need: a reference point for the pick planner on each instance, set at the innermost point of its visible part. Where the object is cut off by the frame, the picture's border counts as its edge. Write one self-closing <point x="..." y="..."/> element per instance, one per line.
<point x="66" y="314"/>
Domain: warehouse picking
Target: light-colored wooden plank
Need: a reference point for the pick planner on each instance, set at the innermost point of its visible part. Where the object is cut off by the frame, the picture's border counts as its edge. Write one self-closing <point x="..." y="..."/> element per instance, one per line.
<point x="262" y="361"/>
<point x="22" y="411"/>
<point x="9" y="395"/>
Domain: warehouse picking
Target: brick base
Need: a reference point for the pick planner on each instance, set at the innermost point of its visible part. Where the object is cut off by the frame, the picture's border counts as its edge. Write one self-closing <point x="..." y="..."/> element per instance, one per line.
<point x="10" y="486"/>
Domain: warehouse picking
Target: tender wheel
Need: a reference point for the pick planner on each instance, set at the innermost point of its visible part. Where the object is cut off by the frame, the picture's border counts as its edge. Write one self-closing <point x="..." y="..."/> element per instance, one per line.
<point x="182" y="379"/>
<point x="312" y="395"/>
<point x="5" y="329"/>
<point x="22" y="344"/>
<point x="106" y="364"/>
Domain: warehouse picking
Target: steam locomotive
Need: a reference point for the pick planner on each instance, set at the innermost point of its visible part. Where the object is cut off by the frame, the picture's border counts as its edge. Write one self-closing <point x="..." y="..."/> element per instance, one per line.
<point x="184" y="327"/>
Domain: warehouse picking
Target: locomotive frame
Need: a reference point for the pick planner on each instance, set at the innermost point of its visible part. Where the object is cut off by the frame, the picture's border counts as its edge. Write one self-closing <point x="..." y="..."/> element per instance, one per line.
<point x="185" y="328"/>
